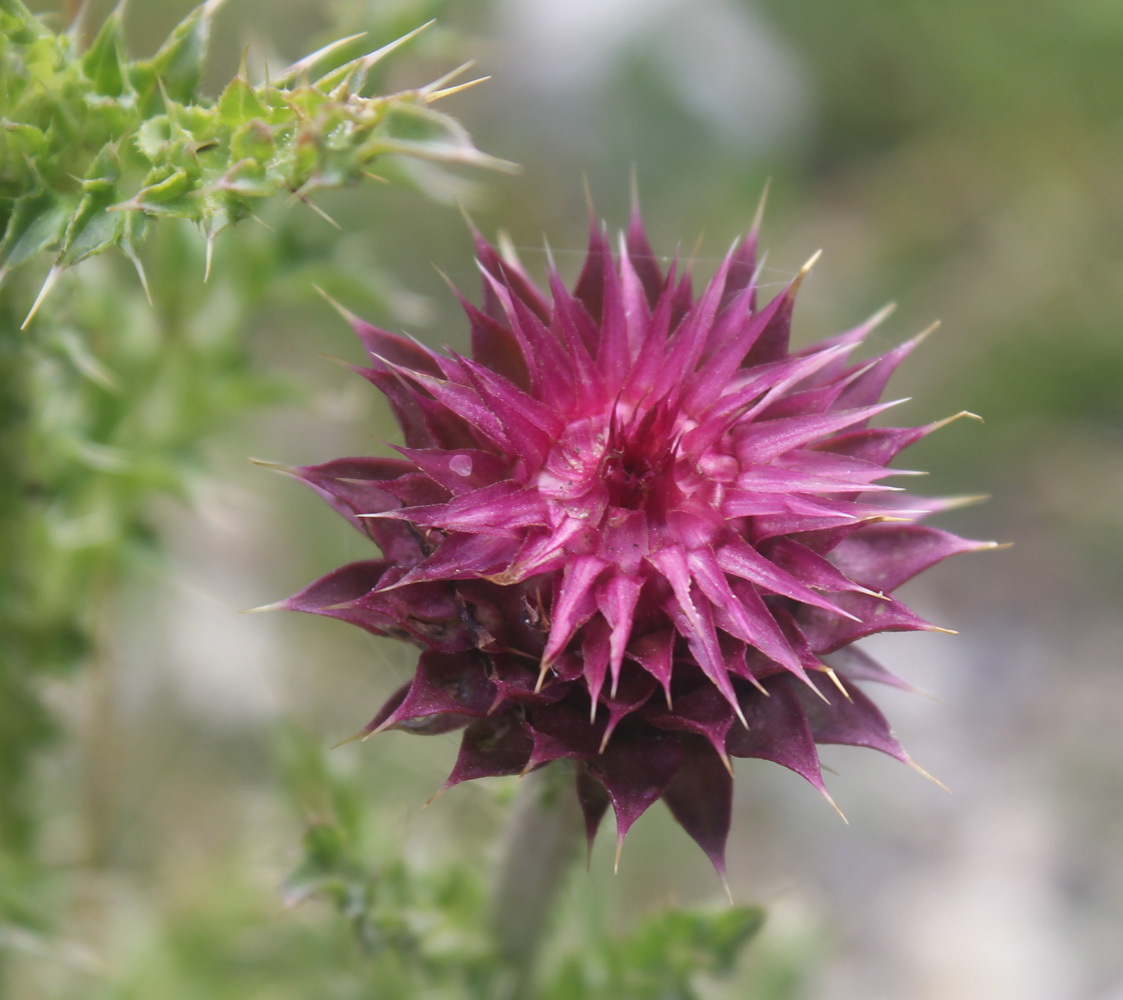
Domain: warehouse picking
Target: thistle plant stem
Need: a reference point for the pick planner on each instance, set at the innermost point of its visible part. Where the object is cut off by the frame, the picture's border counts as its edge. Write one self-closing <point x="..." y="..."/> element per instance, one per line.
<point x="541" y="843"/>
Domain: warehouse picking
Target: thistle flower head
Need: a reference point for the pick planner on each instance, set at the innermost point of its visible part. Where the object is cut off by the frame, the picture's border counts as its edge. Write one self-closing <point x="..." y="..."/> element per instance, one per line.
<point x="628" y="529"/>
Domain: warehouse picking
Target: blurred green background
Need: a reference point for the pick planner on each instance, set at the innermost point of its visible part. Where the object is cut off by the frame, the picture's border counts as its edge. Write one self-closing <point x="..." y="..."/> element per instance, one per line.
<point x="962" y="159"/>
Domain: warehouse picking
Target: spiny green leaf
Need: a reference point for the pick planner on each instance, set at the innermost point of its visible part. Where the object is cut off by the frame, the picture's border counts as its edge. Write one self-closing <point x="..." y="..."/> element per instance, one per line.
<point x="178" y="63"/>
<point x="153" y="137"/>
<point x="103" y="173"/>
<point x="208" y="160"/>
<point x="91" y="230"/>
<point x="306" y="101"/>
<point x="239" y="104"/>
<point x="19" y="140"/>
<point x="169" y="185"/>
<point x="37" y="222"/>
<point x="132" y="235"/>
<point x="18" y="23"/>
<point x="253" y="141"/>
<point x="102" y="61"/>
<point x="354" y="73"/>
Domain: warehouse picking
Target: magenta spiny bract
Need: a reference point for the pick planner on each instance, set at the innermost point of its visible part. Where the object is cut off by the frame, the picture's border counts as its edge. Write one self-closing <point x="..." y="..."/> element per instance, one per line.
<point x="627" y="530"/>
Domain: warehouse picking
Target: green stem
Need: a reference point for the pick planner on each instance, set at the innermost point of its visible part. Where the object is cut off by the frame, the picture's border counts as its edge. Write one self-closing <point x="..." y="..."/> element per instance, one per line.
<point x="541" y="843"/>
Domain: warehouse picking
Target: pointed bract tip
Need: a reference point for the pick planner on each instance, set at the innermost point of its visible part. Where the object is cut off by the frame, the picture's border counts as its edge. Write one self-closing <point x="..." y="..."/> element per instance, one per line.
<point x="436" y="95"/>
<point x="589" y="198"/>
<point x="619" y="851"/>
<point x="941" y="424"/>
<point x="143" y="277"/>
<point x="823" y="668"/>
<point x="811" y="684"/>
<point x="546" y="664"/>
<point x="288" y="470"/>
<point x="811" y="261"/>
<point x="740" y="715"/>
<point x="793" y="288"/>
<point x="361" y="735"/>
<point x="926" y="333"/>
<point x="209" y="259"/>
<point x="472" y="227"/>
<point x="881" y="315"/>
<point x="301" y="66"/>
<point x="439" y="792"/>
<point x="321" y="213"/>
<point x="880" y="595"/>
<point x="343" y="311"/>
<point x="834" y="805"/>
<point x="507" y="250"/>
<point x="725" y="885"/>
<point x="275" y="606"/>
<point x="924" y="774"/>
<point x="758" y="218"/>
<point x="725" y="758"/>
<point x="451" y="75"/>
<point x="339" y="361"/>
<point x="48" y="284"/>
<point x="938" y="628"/>
<point x="967" y="500"/>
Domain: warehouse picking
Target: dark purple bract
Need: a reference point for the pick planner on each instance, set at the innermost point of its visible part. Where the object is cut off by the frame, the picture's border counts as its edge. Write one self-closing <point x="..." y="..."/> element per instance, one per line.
<point x="628" y="529"/>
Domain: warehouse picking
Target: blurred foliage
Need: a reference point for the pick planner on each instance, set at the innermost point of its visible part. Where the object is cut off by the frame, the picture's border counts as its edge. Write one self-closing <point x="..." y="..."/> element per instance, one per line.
<point x="416" y="929"/>
<point x="421" y="930"/>
<point x="662" y="958"/>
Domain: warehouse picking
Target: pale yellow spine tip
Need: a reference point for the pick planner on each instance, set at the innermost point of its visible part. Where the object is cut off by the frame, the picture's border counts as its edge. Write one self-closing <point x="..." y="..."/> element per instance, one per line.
<point x="834" y="805"/>
<point x="436" y="95"/>
<point x="924" y="774"/>
<point x="433" y="798"/>
<point x="275" y="606"/>
<point x="823" y="668"/>
<point x="337" y="306"/>
<point x="881" y="315"/>
<point x="275" y="466"/>
<point x="810" y="262"/>
<point x="48" y="284"/>
<point x="740" y="715"/>
<point x="726" y="761"/>
<point x="361" y="735"/>
<point x="926" y="333"/>
<point x="968" y="500"/>
<point x="940" y="424"/>
<point x="759" y="217"/>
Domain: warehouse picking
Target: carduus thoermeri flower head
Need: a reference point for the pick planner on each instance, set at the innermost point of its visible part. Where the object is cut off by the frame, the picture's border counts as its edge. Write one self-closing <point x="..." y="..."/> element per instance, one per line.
<point x="630" y="529"/>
